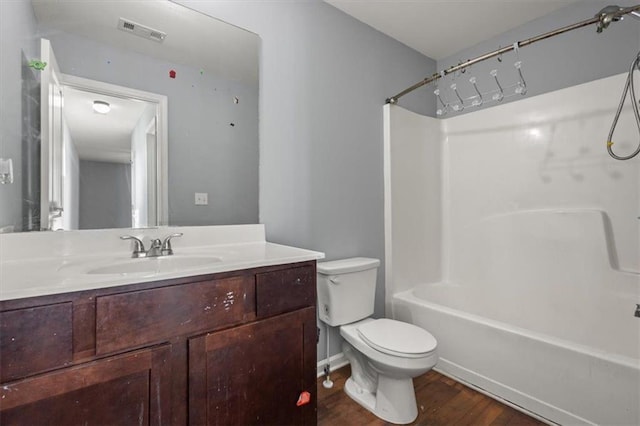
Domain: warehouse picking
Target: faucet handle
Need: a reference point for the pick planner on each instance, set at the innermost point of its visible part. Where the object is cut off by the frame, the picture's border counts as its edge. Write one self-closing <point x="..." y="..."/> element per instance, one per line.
<point x="166" y="244"/>
<point x="138" y="248"/>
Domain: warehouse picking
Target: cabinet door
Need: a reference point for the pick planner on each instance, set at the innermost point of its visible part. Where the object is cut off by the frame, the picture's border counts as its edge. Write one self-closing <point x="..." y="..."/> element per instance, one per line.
<point x="254" y="374"/>
<point x="121" y="390"/>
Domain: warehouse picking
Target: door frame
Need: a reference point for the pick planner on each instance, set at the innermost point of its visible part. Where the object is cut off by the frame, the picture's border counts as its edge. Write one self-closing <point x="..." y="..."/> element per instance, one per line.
<point x="51" y="128"/>
<point x="162" y="131"/>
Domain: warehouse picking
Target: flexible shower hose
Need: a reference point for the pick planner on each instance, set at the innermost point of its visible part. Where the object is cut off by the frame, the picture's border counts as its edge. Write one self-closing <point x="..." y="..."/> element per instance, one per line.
<point x="628" y="89"/>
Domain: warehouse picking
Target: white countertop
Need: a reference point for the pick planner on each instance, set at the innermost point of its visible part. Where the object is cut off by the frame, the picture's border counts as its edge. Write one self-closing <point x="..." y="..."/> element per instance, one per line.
<point x="55" y="272"/>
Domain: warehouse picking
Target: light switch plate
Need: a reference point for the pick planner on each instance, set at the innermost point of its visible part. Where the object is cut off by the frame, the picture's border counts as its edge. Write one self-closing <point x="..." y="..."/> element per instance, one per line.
<point x="202" y="199"/>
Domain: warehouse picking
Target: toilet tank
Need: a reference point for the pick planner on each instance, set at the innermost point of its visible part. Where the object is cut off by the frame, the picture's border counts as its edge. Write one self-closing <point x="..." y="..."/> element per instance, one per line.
<point x="346" y="290"/>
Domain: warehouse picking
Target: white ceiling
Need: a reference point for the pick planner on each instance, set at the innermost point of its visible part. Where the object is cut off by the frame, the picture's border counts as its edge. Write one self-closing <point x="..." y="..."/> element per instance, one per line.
<point x="441" y="28"/>
<point x="102" y="137"/>
<point x="192" y="38"/>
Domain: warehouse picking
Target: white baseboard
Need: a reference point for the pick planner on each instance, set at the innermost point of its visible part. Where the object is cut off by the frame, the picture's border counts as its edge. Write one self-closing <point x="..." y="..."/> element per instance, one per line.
<point x="336" y="361"/>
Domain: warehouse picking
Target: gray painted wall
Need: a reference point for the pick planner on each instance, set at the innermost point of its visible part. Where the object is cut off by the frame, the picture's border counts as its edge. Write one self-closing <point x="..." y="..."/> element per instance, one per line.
<point x="105" y="195"/>
<point x="566" y="60"/>
<point x="17" y="23"/>
<point x="324" y="78"/>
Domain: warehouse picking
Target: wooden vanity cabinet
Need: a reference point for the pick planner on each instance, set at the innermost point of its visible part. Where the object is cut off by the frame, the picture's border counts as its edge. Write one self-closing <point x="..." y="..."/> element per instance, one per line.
<point x="232" y="379"/>
<point x="221" y="349"/>
<point x="125" y="389"/>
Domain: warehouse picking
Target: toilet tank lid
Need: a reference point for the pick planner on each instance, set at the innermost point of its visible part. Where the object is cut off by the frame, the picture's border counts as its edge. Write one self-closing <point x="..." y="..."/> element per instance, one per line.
<point x="344" y="266"/>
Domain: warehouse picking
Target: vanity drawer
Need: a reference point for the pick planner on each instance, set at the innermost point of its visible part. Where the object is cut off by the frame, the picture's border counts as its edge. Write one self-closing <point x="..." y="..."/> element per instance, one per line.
<point x="285" y="290"/>
<point x="144" y="317"/>
<point x="35" y="339"/>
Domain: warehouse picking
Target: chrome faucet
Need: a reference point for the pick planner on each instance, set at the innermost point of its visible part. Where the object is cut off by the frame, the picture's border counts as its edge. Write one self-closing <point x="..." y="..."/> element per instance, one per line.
<point x="138" y="246"/>
<point x="158" y="247"/>
<point x="165" y="249"/>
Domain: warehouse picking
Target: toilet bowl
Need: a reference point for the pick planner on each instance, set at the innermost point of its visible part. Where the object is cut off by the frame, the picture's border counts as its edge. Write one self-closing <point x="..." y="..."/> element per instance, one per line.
<point x="385" y="354"/>
<point x="382" y="380"/>
<point x="391" y="359"/>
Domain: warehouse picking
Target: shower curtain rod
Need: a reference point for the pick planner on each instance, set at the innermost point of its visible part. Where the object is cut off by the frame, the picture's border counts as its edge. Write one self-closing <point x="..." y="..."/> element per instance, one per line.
<point x="603" y="19"/>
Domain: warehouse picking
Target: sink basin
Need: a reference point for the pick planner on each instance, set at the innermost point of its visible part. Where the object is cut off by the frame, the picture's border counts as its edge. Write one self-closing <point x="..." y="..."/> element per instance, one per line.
<point x="156" y="265"/>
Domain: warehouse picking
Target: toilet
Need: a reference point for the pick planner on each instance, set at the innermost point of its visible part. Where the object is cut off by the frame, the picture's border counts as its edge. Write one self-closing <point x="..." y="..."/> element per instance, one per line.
<point x="385" y="354"/>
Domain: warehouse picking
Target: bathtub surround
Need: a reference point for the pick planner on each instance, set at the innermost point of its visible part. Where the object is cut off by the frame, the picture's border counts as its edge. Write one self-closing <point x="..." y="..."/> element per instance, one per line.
<point x="539" y="250"/>
<point x="413" y="200"/>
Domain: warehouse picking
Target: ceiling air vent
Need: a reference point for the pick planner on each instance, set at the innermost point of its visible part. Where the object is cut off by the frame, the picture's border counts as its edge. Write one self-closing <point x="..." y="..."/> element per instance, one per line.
<point x="140" y="30"/>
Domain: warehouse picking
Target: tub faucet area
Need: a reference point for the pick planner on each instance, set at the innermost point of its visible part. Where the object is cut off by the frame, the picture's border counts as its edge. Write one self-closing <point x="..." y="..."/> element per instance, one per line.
<point x="158" y="247"/>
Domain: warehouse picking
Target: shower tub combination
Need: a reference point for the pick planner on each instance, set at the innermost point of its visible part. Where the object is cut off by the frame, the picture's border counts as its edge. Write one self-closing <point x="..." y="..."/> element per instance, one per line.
<point x="513" y="238"/>
<point x="523" y="324"/>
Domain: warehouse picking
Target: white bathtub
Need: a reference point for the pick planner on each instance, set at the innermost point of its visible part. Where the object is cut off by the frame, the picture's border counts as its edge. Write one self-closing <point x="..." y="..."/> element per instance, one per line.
<point x="559" y="380"/>
<point x="542" y="319"/>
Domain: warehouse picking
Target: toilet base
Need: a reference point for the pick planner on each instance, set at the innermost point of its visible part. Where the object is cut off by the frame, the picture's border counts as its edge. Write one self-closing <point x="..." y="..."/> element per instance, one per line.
<point x="394" y="400"/>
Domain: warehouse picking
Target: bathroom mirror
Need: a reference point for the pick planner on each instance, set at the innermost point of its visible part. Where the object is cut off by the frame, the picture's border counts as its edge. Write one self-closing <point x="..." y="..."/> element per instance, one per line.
<point x="120" y="114"/>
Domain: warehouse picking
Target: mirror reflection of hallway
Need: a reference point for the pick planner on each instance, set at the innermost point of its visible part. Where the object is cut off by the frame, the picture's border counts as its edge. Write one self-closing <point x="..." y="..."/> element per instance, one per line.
<point x="104" y="195"/>
<point x="115" y="152"/>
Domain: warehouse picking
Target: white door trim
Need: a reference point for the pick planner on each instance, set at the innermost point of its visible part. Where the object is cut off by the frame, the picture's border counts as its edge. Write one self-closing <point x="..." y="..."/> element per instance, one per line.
<point x="162" y="129"/>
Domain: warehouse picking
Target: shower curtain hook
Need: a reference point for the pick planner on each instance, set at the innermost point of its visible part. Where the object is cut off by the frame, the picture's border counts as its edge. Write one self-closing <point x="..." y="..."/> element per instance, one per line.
<point x="445" y="106"/>
<point x="522" y="85"/>
<point x="479" y="100"/>
<point x="460" y="106"/>
<point x="500" y="95"/>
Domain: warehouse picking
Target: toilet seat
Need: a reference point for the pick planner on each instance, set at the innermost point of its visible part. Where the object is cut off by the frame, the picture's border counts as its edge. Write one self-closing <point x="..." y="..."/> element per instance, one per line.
<point x="397" y="338"/>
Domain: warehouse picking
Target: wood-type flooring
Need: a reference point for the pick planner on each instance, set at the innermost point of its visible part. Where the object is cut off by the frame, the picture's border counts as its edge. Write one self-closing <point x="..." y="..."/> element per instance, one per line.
<point x="441" y="401"/>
